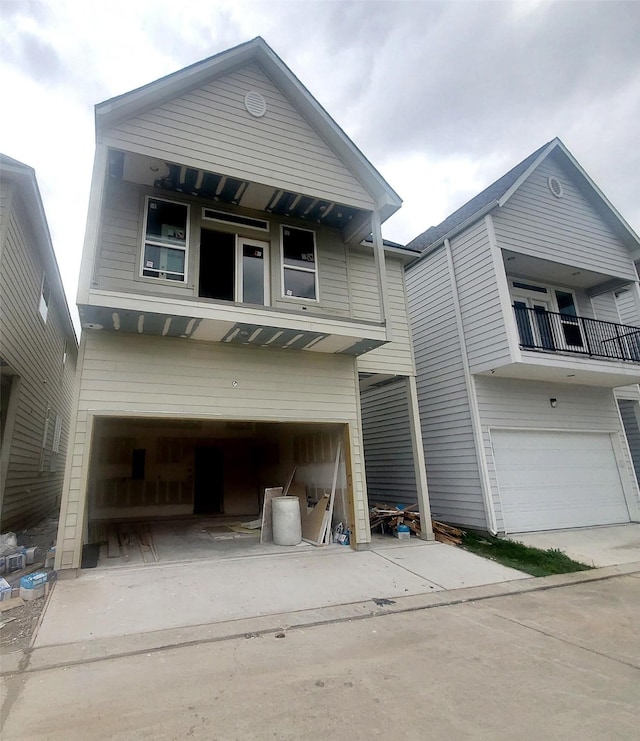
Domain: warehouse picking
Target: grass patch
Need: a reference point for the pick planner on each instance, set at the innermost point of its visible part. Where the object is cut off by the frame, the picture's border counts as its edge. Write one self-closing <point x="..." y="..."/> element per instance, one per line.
<point x="533" y="561"/>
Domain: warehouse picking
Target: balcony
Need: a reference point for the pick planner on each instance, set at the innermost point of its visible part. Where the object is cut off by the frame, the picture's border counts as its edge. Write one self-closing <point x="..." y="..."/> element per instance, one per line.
<point x="549" y="331"/>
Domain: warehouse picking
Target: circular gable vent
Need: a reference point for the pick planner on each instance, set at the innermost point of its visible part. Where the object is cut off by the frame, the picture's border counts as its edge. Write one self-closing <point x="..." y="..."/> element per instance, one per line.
<point x="555" y="186"/>
<point x="254" y="103"/>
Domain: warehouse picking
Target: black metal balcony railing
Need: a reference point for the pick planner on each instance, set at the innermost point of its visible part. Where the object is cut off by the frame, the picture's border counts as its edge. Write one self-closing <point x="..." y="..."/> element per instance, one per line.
<point x="540" y="329"/>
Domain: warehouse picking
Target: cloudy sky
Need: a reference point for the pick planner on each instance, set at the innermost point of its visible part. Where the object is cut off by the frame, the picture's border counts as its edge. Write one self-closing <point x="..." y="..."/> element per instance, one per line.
<point x="442" y="97"/>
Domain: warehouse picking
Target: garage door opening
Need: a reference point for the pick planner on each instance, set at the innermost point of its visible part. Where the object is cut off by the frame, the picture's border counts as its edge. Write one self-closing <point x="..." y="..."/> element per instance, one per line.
<point x="170" y="490"/>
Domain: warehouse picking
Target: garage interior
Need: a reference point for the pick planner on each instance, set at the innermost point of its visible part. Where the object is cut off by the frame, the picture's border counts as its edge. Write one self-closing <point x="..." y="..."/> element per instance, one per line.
<point x="181" y="489"/>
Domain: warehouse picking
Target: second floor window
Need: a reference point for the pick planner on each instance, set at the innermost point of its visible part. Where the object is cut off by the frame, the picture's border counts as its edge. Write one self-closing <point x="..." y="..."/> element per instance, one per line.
<point x="166" y="235"/>
<point x="299" y="266"/>
<point x="43" y="307"/>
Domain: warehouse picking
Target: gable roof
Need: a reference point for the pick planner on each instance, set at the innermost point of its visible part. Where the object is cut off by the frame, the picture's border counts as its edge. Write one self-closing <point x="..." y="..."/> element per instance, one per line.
<point x="499" y="193"/>
<point x="25" y="179"/>
<point x="257" y="51"/>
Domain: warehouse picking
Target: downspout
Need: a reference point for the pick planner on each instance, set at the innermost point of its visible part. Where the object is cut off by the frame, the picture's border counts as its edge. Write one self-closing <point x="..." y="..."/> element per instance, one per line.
<point x="485" y="484"/>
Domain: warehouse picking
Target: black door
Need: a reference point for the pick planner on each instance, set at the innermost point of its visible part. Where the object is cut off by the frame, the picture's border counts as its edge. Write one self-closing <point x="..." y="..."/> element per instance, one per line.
<point x="208" y="495"/>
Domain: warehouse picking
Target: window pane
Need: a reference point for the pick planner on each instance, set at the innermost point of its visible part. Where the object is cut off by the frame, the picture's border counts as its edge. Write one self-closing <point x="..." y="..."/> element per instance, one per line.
<point x="565" y="303"/>
<point x="252" y="274"/>
<point x="163" y="259"/>
<point x="299" y="283"/>
<point x="167" y="222"/>
<point x="298" y="248"/>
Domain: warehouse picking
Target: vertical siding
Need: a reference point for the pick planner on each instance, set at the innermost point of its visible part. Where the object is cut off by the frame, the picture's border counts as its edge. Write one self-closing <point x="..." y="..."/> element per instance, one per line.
<point x="453" y="478"/>
<point x="484" y="326"/>
<point x="210" y="128"/>
<point x="629" y="416"/>
<point x="388" y="450"/>
<point x="34" y="350"/>
<point x="396" y="356"/>
<point x="566" y="230"/>
<point x="525" y="404"/>
<point x="160" y="377"/>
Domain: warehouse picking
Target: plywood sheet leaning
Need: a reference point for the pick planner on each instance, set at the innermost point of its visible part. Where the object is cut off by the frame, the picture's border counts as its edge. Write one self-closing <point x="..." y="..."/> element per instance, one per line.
<point x="327" y="535"/>
<point x="315" y="523"/>
<point x="266" y="534"/>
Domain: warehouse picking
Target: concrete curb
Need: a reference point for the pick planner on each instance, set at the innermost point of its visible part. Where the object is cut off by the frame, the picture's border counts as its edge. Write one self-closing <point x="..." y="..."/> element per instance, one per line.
<point x="66" y="654"/>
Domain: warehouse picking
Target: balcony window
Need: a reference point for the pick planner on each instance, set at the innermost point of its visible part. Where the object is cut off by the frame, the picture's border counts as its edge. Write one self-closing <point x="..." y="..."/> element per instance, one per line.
<point x="166" y="235"/>
<point x="299" y="265"/>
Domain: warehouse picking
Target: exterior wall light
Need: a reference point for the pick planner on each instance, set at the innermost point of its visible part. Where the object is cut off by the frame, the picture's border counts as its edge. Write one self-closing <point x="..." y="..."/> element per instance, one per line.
<point x="553" y="402"/>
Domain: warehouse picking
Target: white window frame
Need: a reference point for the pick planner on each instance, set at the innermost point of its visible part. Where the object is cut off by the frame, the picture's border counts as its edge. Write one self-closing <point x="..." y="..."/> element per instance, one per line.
<point x="159" y="243"/>
<point x="313" y="270"/>
<point x="235" y="220"/>
<point x="43" y="306"/>
<point x="240" y="242"/>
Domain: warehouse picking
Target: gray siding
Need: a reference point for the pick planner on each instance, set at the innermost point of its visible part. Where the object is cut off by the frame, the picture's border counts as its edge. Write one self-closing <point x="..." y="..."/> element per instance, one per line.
<point x="484" y="325"/>
<point x="632" y="431"/>
<point x="209" y="128"/>
<point x="605" y="309"/>
<point x="388" y="451"/>
<point x="627" y="308"/>
<point x="566" y="230"/>
<point x="34" y="351"/>
<point x="396" y="356"/>
<point x="525" y="404"/>
<point x="166" y="377"/>
<point x="453" y="477"/>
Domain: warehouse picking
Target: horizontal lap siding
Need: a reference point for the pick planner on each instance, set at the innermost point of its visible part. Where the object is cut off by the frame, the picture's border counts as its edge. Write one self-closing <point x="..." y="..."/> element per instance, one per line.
<point x="210" y="128"/>
<point x="34" y="350"/>
<point x="121" y="239"/>
<point x="484" y="324"/>
<point x="129" y="374"/>
<point x="525" y="404"/>
<point x="453" y="478"/>
<point x="604" y="308"/>
<point x="396" y="356"/>
<point x="628" y="308"/>
<point x="566" y="230"/>
<point x="388" y="450"/>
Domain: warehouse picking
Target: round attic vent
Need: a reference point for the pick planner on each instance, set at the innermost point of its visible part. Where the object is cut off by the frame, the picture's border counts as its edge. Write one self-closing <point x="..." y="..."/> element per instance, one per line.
<point x="254" y="103"/>
<point x="555" y="186"/>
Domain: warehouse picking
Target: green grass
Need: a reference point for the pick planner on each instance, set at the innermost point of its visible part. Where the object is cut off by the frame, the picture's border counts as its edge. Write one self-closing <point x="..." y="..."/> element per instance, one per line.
<point x="533" y="561"/>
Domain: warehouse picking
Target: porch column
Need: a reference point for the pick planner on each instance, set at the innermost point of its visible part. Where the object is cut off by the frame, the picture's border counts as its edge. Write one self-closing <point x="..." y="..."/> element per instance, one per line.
<point x="418" y="459"/>
<point x="381" y="272"/>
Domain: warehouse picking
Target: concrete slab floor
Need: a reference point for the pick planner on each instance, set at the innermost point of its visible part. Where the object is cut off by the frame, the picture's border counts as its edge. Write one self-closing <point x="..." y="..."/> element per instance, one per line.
<point x="607" y="545"/>
<point x="107" y="603"/>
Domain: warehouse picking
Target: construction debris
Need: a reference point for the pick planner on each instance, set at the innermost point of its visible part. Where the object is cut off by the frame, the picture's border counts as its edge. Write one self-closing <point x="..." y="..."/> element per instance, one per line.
<point x="392" y="518"/>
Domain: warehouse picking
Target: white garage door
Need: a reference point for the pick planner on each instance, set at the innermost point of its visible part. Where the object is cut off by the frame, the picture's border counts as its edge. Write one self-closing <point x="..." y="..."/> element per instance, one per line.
<point x="551" y="480"/>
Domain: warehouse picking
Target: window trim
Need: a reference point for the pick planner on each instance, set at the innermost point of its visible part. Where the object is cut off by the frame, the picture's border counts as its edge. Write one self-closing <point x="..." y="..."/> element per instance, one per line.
<point x="235" y="220"/>
<point x="315" y="270"/>
<point x="158" y="243"/>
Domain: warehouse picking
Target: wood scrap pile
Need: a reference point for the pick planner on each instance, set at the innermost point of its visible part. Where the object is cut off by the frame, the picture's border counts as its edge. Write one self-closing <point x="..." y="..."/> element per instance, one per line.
<point x="447" y="533"/>
<point x="388" y="517"/>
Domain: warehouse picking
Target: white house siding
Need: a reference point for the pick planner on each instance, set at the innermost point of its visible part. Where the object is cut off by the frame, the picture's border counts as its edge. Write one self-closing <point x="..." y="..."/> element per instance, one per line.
<point x="210" y="128"/>
<point x="484" y="324"/>
<point x="388" y="451"/>
<point x="604" y="308"/>
<point x="627" y="308"/>
<point x="34" y="350"/>
<point x="506" y="403"/>
<point x="453" y="478"/>
<point x="158" y="377"/>
<point x="566" y="230"/>
<point x="118" y="260"/>
<point x="396" y="356"/>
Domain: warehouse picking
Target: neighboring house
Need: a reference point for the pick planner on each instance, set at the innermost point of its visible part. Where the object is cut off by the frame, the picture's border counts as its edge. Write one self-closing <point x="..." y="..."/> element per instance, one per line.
<point x="519" y="346"/>
<point x="230" y="303"/>
<point x="38" y="353"/>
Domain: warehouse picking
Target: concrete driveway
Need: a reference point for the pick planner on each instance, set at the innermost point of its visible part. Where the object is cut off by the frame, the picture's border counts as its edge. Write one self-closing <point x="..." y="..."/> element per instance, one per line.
<point x="608" y="545"/>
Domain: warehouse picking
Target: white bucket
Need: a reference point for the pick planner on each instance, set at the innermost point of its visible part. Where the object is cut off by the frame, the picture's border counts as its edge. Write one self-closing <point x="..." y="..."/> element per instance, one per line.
<point x="287" y="529"/>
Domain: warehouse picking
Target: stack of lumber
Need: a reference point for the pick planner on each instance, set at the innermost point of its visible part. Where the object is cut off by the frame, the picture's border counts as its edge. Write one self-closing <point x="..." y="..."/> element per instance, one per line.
<point x="390" y="516"/>
<point x="447" y="533"/>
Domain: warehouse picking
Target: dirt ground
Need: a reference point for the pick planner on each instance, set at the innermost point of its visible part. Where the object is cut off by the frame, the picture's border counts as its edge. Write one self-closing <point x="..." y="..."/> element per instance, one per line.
<point x="18" y="623"/>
